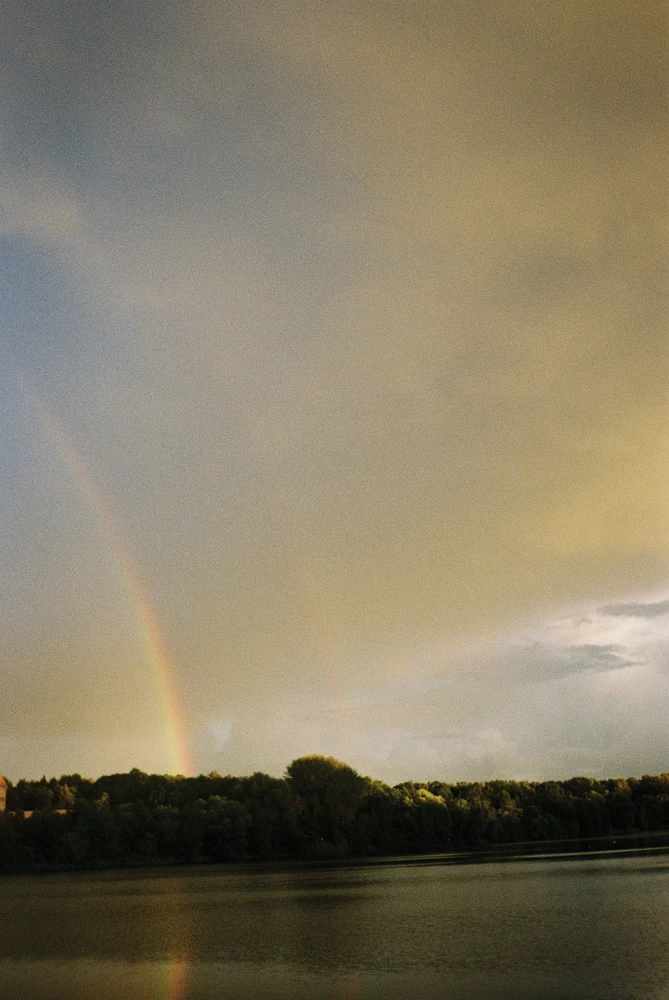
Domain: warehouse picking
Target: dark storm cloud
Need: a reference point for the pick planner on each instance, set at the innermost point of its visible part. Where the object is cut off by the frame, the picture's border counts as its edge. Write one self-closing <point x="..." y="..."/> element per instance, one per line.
<point x="64" y="67"/>
<point x="542" y="662"/>
<point x="590" y="657"/>
<point x="634" y="610"/>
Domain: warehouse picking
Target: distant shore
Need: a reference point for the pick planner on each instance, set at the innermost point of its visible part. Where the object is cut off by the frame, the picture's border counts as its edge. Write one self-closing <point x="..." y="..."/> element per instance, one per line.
<point x="321" y="811"/>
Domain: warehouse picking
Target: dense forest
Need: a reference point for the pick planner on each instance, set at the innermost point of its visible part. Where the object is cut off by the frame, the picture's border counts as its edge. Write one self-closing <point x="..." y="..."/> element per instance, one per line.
<point x="321" y="808"/>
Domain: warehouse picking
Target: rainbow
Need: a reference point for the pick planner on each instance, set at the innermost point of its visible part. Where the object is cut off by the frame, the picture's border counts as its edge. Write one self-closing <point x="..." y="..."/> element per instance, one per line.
<point x="177" y="978"/>
<point x="156" y="653"/>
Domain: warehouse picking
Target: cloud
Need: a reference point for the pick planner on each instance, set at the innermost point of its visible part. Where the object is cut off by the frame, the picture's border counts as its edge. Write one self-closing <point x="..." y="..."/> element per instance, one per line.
<point x="591" y="657"/>
<point x="221" y="731"/>
<point x="541" y="662"/>
<point x="42" y="210"/>
<point x="358" y="315"/>
<point x="635" y="610"/>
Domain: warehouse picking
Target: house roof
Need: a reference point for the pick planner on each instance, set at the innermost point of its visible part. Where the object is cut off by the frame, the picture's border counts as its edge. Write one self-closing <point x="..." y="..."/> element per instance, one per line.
<point x="3" y="783"/>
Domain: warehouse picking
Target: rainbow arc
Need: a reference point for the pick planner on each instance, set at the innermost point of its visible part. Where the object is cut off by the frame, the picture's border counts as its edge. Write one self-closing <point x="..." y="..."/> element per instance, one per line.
<point x="155" y="649"/>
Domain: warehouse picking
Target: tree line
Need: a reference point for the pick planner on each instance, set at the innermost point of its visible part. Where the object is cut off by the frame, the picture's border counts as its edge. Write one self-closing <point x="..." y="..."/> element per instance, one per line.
<point x="320" y="808"/>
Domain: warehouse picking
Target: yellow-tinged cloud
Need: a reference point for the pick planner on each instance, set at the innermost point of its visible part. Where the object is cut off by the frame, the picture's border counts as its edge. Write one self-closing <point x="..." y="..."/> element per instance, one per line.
<point x="373" y="289"/>
<point x="621" y="503"/>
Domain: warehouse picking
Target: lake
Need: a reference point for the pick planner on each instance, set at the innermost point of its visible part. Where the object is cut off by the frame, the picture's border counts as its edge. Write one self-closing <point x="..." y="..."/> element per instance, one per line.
<point x="553" y="928"/>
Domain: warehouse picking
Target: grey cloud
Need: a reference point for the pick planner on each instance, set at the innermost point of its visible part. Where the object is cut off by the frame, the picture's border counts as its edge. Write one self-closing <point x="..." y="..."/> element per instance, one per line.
<point x="634" y="610"/>
<point x="541" y="662"/>
<point x="599" y="658"/>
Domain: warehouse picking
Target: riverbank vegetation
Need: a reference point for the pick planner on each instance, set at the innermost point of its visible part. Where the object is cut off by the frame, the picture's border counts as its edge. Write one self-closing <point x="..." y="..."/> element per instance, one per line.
<point x="320" y="808"/>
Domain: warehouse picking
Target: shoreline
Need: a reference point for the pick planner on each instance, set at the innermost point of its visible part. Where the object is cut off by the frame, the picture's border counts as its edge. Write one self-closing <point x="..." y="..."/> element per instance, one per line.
<point x="656" y="841"/>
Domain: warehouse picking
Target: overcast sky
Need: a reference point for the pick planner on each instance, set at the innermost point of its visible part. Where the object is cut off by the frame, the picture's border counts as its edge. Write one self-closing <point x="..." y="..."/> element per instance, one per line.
<point x="354" y="314"/>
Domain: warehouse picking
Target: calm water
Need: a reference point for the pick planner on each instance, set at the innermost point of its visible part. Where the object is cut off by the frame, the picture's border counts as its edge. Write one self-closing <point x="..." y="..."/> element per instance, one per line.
<point x="551" y="929"/>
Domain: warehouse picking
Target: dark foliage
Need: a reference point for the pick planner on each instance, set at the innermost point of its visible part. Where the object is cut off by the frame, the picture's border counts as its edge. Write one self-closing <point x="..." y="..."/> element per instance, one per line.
<point x="321" y="808"/>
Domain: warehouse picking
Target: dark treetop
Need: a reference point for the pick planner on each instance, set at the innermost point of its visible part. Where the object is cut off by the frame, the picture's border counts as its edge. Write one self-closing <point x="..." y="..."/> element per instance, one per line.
<point x="321" y="808"/>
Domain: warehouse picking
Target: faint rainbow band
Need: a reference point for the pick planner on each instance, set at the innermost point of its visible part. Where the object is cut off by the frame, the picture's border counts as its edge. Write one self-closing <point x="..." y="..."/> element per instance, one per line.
<point x="178" y="748"/>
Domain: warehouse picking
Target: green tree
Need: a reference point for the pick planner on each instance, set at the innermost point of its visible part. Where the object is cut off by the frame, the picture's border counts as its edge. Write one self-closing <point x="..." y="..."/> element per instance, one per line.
<point x="225" y="828"/>
<point x="328" y="793"/>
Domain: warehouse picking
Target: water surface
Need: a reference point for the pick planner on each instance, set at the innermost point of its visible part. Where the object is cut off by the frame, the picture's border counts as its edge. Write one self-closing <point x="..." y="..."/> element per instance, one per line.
<point x="564" y="928"/>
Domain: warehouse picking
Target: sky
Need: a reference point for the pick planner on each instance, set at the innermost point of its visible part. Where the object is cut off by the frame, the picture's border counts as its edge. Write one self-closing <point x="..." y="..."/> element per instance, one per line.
<point x="333" y="387"/>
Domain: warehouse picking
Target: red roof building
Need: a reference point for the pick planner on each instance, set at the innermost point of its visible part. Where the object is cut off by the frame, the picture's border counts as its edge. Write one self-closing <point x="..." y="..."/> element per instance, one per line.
<point x="3" y="794"/>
